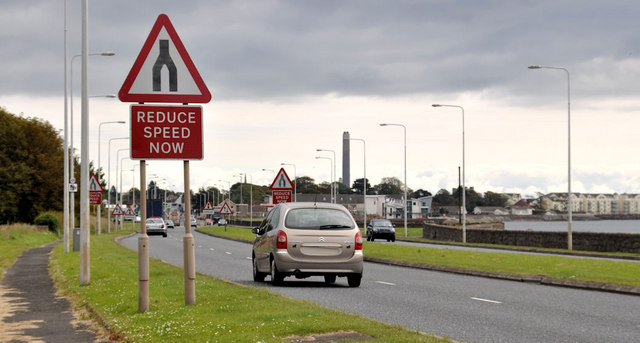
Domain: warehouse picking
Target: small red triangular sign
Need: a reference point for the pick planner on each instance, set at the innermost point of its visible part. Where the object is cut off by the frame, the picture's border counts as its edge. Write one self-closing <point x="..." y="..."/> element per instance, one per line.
<point x="226" y="209"/>
<point x="208" y="206"/>
<point x="94" y="184"/>
<point x="282" y="181"/>
<point x="163" y="49"/>
<point x="129" y="212"/>
<point x="117" y="211"/>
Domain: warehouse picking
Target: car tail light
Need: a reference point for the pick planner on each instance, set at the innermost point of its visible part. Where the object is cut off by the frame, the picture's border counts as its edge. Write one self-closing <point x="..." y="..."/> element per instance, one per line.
<point x="281" y="240"/>
<point x="358" y="240"/>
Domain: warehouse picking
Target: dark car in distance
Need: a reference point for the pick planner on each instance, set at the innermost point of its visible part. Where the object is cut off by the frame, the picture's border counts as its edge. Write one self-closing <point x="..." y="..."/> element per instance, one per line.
<point x="382" y="229"/>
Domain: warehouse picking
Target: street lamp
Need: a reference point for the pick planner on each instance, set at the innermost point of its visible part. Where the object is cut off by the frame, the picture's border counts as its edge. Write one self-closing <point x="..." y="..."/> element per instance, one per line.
<point x="330" y="171"/>
<point x="569" y="205"/>
<point x="241" y="183"/>
<point x="250" y="197"/>
<point x="109" y="182"/>
<point x="364" y="145"/>
<point x="334" y="187"/>
<point x="405" y="172"/>
<point x="228" y="193"/>
<point x="99" y="141"/>
<point x="295" y="180"/>
<point x="463" y="207"/>
<point x="70" y="159"/>
<point x="120" y="178"/>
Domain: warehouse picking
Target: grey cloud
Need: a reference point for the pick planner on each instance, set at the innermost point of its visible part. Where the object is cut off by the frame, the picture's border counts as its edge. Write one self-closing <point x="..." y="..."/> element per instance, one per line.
<point x="285" y="49"/>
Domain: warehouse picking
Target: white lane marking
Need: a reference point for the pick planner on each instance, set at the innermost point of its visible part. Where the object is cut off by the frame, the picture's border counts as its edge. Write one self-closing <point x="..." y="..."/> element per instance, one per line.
<point x="248" y="257"/>
<point x="227" y="252"/>
<point x="212" y="249"/>
<point x="487" y="300"/>
<point x="199" y="246"/>
<point x="386" y="283"/>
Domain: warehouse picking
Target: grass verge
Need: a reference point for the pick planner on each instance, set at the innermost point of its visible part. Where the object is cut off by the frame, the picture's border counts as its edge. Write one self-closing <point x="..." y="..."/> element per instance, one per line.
<point x="14" y="239"/>
<point x="223" y="312"/>
<point x="564" y="268"/>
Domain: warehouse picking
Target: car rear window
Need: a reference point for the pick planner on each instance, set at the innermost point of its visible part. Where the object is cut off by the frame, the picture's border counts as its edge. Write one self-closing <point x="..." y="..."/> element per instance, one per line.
<point x="154" y="220"/>
<point x="318" y="219"/>
<point x="382" y="223"/>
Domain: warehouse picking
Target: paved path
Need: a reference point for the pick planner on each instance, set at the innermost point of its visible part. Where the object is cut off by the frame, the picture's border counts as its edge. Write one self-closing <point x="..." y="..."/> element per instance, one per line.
<point x="29" y="309"/>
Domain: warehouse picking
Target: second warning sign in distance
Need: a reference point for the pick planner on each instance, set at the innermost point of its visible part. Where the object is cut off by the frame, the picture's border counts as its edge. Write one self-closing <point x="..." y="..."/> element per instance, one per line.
<point x="166" y="132"/>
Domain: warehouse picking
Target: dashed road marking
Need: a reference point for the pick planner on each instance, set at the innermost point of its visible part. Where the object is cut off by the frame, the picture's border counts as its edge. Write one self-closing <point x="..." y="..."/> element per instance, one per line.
<point x="487" y="300"/>
<point x="386" y="283"/>
<point x="227" y="252"/>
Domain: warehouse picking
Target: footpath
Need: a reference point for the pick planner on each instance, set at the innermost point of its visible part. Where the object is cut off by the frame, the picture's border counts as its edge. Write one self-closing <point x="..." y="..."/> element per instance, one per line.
<point x="30" y="311"/>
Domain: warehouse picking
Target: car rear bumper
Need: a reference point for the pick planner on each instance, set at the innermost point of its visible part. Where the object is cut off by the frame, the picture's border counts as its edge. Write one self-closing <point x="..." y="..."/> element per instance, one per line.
<point x="288" y="265"/>
<point x="383" y="234"/>
<point x="156" y="231"/>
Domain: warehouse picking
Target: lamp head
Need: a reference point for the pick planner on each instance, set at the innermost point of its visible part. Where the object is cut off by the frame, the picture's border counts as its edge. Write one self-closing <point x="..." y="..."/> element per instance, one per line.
<point x="383" y="124"/>
<point x="436" y="105"/>
<point x="534" y="67"/>
<point x="121" y="122"/>
<point x="107" y="53"/>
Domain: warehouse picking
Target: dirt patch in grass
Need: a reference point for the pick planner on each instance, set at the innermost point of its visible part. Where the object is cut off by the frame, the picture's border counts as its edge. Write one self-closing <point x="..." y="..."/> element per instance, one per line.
<point x="330" y="337"/>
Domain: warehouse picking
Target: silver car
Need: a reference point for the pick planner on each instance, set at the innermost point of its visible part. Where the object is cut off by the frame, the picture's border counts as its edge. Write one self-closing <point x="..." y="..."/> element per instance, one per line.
<point x="156" y="226"/>
<point x="305" y="239"/>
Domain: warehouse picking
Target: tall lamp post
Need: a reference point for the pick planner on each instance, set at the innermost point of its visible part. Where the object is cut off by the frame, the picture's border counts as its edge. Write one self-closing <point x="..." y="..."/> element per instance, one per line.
<point x="405" y="172"/>
<point x="250" y="196"/>
<point x="65" y="215"/>
<point x="569" y="204"/>
<point x="334" y="187"/>
<point x="120" y="179"/>
<point x="364" y="145"/>
<point x="99" y="143"/>
<point x="229" y="193"/>
<point x="463" y="207"/>
<point x="109" y="182"/>
<point x="330" y="171"/>
<point x="70" y="158"/>
<point x="295" y="180"/>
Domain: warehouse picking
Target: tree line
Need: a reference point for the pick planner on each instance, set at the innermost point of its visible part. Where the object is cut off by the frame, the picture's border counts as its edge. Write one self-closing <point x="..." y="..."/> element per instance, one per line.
<point x="31" y="156"/>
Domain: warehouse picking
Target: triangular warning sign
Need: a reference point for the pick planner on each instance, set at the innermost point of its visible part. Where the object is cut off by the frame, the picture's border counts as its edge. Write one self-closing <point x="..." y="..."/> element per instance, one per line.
<point x="282" y="181"/>
<point x="163" y="71"/>
<point x="129" y="212"/>
<point x="94" y="184"/>
<point x="208" y="206"/>
<point x="117" y="211"/>
<point x="226" y="209"/>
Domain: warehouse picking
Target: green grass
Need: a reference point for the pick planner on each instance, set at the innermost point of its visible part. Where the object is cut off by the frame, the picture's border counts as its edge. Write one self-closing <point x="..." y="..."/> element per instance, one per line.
<point x="565" y="268"/>
<point x="223" y="312"/>
<point x="14" y="239"/>
<point x="239" y="233"/>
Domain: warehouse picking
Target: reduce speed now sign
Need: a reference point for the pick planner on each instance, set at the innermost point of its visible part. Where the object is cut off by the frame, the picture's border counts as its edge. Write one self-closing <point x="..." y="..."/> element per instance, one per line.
<point x="166" y="132"/>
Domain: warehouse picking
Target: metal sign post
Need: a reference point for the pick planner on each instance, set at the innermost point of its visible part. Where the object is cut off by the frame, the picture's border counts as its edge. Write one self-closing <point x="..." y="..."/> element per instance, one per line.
<point x="143" y="244"/>
<point x="188" y="244"/>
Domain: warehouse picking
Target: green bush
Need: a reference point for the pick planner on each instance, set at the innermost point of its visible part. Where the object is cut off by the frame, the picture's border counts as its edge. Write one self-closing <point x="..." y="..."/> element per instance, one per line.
<point x="49" y="220"/>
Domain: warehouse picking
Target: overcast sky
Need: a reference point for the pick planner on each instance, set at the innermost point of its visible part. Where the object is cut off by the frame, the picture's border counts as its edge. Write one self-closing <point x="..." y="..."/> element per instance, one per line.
<point x="289" y="77"/>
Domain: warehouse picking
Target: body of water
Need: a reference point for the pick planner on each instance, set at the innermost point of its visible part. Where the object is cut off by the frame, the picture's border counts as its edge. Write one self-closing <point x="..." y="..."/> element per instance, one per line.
<point x="606" y="226"/>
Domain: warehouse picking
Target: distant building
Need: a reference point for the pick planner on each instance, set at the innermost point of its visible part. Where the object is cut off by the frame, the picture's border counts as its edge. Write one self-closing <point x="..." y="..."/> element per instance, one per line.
<point x="593" y="203"/>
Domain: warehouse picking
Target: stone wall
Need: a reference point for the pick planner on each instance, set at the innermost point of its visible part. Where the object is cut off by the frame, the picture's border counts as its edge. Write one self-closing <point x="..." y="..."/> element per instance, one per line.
<point x="586" y="241"/>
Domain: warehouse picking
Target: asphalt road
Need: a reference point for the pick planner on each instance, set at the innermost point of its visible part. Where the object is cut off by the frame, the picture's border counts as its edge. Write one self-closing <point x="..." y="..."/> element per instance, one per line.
<point x="462" y="307"/>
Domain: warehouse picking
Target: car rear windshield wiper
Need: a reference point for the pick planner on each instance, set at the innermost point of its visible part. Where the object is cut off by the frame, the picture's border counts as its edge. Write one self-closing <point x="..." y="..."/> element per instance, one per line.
<point x="334" y="226"/>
